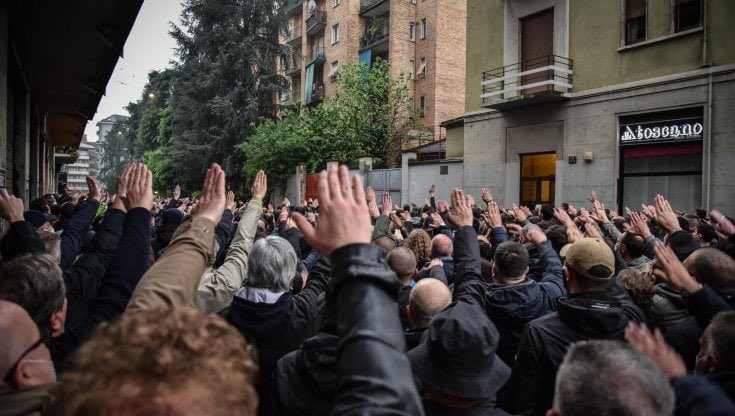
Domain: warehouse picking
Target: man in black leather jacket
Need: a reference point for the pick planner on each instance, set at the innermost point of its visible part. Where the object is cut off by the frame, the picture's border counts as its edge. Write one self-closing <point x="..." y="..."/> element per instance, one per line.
<point x="374" y="372"/>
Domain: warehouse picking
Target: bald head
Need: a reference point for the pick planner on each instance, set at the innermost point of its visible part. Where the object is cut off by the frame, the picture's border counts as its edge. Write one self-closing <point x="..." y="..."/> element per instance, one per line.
<point x="429" y="297"/>
<point x="18" y="332"/>
<point x="403" y="263"/>
<point x="441" y="246"/>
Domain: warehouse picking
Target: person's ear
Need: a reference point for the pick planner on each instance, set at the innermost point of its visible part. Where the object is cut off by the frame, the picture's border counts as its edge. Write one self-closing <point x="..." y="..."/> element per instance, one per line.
<point x="57" y="320"/>
<point x="527" y="270"/>
<point x="714" y="362"/>
<point x="409" y="312"/>
<point x="26" y="375"/>
<point x="494" y="273"/>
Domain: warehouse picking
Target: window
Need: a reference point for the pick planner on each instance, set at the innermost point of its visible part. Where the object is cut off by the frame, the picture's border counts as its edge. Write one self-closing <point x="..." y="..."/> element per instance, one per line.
<point x="444" y="170"/>
<point x="336" y="3"/>
<point x="333" y="71"/>
<point x="423" y="28"/>
<point x="635" y="21"/>
<point x="422" y="106"/>
<point x="411" y="72"/>
<point x="413" y="1"/>
<point x="687" y="14"/>
<point x="421" y="73"/>
<point x="335" y="33"/>
<point x="412" y="32"/>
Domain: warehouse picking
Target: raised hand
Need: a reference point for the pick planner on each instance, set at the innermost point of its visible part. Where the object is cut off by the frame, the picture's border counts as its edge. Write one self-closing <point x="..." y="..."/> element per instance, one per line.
<point x="373" y="209"/>
<point x="432" y="190"/>
<point x="344" y="217"/>
<point x="535" y="234"/>
<point x="139" y="187"/>
<point x="721" y="223"/>
<point x="572" y="211"/>
<point x="11" y="208"/>
<point x="471" y="199"/>
<point x="397" y="220"/>
<point x="598" y="213"/>
<point x="460" y="210"/>
<point x="487" y="196"/>
<point x="592" y="231"/>
<point x="593" y="197"/>
<point x="656" y="348"/>
<point x="260" y="186"/>
<point x="370" y="195"/>
<point x="177" y="192"/>
<point x="387" y="203"/>
<point x="230" y="204"/>
<point x="286" y="202"/>
<point x="212" y="203"/>
<point x="665" y="216"/>
<point x="563" y="216"/>
<point x="519" y="214"/>
<point x="437" y="220"/>
<point x="493" y="218"/>
<point x="638" y="225"/>
<point x="649" y="211"/>
<point x="94" y="189"/>
<point x="671" y="271"/>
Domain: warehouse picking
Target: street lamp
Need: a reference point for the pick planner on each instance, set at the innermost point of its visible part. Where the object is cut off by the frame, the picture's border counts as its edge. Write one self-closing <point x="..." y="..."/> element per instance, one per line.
<point x="151" y="96"/>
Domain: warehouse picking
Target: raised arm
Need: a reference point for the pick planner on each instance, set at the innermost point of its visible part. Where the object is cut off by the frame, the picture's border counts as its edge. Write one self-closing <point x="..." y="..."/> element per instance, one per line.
<point x="374" y="373"/>
<point x="21" y="237"/>
<point x="71" y="238"/>
<point x="467" y="270"/>
<point x="173" y="280"/>
<point x="218" y="286"/>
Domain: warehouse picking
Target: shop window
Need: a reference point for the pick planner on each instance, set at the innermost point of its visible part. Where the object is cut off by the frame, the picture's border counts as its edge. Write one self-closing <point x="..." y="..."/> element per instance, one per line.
<point x="672" y="170"/>
<point x="687" y="14"/>
<point x="635" y="21"/>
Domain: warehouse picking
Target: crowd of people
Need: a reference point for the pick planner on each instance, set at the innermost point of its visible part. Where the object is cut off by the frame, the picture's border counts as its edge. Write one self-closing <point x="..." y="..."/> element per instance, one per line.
<point x="349" y="304"/>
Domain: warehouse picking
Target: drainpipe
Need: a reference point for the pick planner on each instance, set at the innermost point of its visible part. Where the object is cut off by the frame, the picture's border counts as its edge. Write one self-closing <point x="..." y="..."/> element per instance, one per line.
<point x="705" y="50"/>
<point x="708" y="137"/>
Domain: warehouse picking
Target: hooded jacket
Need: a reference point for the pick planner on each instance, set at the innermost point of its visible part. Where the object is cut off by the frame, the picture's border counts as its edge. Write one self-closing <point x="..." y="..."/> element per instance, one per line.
<point x="578" y="317"/>
<point x="306" y="379"/>
<point x="511" y="307"/>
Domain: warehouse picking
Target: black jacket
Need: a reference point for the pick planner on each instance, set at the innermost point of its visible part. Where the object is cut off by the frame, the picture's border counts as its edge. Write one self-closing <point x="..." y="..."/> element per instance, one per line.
<point x="511" y="307"/>
<point x="306" y="379"/>
<point x="696" y="395"/>
<point x="725" y="380"/>
<point x="583" y="316"/>
<point x="279" y="328"/>
<point x="375" y="374"/>
<point x="73" y="236"/>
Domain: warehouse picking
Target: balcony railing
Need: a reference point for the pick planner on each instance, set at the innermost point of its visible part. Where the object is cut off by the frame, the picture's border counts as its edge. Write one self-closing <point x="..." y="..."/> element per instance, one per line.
<point x="316" y="22"/>
<point x="293" y="7"/>
<point x="544" y="79"/>
<point x="318" y="92"/>
<point x="317" y="54"/>
<point x="291" y="66"/>
<point x="293" y="35"/>
<point x="373" y="39"/>
<point x="372" y="8"/>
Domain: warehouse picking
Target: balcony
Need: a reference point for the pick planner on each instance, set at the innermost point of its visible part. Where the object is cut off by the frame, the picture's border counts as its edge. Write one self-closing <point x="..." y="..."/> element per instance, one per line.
<point x="291" y="66"/>
<point x="374" y="8"/>
<point x="375" y="40"/>
<point x="293" y="36"/>
<point x="294" y="7"/>
<point x="316" y="22"/>
<point x="317" y="55"/>
<point x="317" y="94"/>
<point x="536" y="81"/>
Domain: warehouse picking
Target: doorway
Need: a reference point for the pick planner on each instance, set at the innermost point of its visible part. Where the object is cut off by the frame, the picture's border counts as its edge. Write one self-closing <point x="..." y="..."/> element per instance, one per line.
<point x="538" y="179"/>
<point x="537" y="48"/>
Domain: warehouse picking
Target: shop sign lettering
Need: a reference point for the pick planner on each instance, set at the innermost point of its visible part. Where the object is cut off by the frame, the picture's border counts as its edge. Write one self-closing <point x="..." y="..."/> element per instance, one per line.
<point x="686" y="129"/>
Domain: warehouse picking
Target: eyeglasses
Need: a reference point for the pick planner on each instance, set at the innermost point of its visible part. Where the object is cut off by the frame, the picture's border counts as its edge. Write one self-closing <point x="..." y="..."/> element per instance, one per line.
<point x="9" y="375"/>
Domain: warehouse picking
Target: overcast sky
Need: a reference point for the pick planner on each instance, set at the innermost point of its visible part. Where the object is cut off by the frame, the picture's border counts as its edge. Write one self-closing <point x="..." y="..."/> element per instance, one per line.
<point x="148" y="47"/>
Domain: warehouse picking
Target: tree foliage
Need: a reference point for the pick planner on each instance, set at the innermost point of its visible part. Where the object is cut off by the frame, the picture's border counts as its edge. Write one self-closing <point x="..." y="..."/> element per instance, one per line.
<point x="369" y="115"/>
<point x="115" y="152"/>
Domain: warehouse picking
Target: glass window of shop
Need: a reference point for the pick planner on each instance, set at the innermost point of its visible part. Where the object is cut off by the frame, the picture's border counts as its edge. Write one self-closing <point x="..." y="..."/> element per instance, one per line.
<point x="661" y="153"/>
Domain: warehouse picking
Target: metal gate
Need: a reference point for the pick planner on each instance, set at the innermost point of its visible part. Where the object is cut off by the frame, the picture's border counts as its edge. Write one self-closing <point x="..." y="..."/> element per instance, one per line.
<point x="385" y="180"/>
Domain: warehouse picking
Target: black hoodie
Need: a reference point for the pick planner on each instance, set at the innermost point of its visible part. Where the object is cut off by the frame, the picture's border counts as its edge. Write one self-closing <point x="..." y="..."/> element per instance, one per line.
<point x="582" y="316"/>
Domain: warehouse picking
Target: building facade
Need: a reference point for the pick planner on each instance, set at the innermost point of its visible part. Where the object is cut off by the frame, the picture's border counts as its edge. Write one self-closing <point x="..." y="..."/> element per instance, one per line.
<point x="629" y="98"/>
<point x="105" y="126"/>
<point x="422" y="39"/>
<point x="86" y="164"/>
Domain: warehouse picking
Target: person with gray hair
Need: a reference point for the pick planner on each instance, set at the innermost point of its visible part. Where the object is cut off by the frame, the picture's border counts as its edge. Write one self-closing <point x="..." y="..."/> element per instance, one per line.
<point x="610" y="378"/>
<point x="268" y="314"/>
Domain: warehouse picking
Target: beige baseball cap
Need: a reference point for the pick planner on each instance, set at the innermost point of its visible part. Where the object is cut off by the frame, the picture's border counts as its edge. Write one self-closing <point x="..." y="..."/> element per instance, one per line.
<point x="587" y="253"/>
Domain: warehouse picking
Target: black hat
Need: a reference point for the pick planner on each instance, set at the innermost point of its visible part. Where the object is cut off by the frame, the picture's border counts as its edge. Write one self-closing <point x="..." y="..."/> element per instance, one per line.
<point x="458" y="355"/>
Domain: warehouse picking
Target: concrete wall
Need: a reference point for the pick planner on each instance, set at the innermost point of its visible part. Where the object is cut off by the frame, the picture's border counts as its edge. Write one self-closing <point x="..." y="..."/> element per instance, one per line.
<point x="484" y="45"/>
<point x="455" y="141"/>
<point x="417" y="178"/>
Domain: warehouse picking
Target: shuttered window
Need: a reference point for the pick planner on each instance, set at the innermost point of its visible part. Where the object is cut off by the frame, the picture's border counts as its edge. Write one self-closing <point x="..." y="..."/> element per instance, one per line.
<point x="635" y="21"/>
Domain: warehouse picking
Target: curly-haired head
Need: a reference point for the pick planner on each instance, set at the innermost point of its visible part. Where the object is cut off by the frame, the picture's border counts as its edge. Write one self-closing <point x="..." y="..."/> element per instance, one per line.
<point x="173" y="362"/>
<point x="420" y="243"/>
<point x="639" y="285"/>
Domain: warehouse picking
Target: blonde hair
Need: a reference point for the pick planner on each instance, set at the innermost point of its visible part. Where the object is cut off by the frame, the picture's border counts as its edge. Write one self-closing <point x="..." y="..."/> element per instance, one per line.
<point x="420" y="243"/>
<point x="177" y="361"/>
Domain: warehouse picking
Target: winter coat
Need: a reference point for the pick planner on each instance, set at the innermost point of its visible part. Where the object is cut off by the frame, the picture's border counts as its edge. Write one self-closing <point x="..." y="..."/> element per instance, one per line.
<point x="578" y="317"/>
<point x="511" y="307"/>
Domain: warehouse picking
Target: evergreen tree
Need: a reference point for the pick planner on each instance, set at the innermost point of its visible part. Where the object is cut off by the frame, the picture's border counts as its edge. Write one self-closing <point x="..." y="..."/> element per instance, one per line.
<point x="226" y="81"/>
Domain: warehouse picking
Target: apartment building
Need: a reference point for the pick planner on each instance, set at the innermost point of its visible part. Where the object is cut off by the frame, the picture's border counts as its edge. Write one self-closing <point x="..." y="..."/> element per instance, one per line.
<point x="629" y="98"/>
<point x="86" y="164"/>
<point x="423" y="39"/>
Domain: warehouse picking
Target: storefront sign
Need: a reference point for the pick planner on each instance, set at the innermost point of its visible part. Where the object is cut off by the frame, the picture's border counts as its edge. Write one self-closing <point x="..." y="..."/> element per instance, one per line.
<point x="657" y="131"/>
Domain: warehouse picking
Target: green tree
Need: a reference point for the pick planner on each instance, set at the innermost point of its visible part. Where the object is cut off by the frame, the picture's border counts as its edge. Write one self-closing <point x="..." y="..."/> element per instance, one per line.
<point x="226" y="80"/>
<point x="369" y="115"/>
